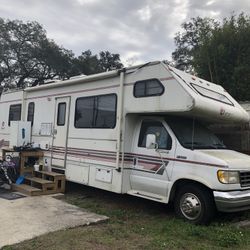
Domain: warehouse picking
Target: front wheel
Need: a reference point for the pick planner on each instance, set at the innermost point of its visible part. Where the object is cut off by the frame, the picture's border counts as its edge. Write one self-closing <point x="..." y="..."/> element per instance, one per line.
<point x="195" y="204"/>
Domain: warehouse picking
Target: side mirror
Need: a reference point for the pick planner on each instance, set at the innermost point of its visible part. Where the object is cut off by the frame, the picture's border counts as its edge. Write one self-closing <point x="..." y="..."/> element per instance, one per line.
<point x="151" y="142"/>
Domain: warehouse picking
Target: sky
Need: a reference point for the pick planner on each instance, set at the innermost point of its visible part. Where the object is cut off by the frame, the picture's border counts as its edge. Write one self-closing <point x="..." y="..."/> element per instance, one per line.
<point x="139" y="30"/>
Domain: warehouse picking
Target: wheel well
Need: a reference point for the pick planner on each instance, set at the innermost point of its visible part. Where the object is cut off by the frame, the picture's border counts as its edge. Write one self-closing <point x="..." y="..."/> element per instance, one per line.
<point x="183" y="182"/>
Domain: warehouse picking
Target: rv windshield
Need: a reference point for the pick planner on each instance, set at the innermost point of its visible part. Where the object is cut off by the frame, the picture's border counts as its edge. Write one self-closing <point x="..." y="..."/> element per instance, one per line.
<point x="192" y="134"/>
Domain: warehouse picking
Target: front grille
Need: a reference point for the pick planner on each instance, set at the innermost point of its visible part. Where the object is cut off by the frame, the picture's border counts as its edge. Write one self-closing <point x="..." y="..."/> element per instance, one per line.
<point x="245" y="179"/>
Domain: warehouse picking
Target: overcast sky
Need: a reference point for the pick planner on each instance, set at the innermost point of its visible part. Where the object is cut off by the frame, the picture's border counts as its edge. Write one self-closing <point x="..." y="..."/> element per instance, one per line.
<point x="139" y="30"/>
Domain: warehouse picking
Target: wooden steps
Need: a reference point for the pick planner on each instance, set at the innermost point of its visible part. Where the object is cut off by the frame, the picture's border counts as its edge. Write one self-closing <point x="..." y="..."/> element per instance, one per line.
<point x="26" y="189"/>
<point x="41" y="183"/>
<point x="38" y="180"/>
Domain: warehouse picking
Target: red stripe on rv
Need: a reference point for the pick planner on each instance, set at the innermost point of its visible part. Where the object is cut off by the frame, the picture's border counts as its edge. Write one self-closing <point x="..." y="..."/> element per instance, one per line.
<point x="145" y="157"/>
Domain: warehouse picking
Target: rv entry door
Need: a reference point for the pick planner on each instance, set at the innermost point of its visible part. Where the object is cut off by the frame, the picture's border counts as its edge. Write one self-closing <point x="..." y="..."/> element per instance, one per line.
<point x="60" y="133"/>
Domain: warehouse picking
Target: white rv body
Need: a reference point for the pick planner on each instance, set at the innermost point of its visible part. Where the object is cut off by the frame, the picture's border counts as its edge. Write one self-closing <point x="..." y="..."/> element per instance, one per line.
<point x="111" y="158"/>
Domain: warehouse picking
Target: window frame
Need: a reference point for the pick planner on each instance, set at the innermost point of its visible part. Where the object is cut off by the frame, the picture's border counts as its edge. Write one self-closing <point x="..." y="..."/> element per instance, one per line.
<point x="196" y="86"/>
<point x="96" y="96"/>
<point x="33" y="114"/>
<point x="169" y="143"/>
<point x="145" y="81"/>
<point x="20" y="115"/>
<point x="58" y="108"/>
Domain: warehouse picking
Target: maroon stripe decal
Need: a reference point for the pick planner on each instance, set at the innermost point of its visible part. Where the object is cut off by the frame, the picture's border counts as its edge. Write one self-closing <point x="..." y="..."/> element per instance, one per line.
<point x="4" y="143"/>
<point x="58" y="153"/>
<point x="55" y="158"/>
<point x="147" y="166"/>
<point x="109" y="156"/>
<point x="108" y="159"/>
<point x="145" y="157"/>
<point x="95" y="156"/>
<point x="187" y="161"/>
<point x="86" y="151"/>
<point x="127" y="155"/>
<point x="167" y="78"/>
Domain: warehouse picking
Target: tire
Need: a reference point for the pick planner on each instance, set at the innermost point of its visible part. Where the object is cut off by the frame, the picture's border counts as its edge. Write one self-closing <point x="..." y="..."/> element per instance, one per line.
<point x="194" y="203"/>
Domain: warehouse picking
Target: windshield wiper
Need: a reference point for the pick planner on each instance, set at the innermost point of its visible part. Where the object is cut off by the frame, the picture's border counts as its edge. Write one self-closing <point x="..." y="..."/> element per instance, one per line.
<point x="191" y="145"/>
<point x="201" y="145"/>
<point x="219" y="145"/>
<point x="194" y="143"/>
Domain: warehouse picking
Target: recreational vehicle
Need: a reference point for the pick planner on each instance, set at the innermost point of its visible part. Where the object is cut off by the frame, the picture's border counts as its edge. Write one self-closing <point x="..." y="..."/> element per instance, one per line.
<point x="141" y="130"/>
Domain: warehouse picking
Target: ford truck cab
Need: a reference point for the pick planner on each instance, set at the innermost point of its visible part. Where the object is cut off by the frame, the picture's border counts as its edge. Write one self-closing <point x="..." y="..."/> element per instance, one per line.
<point x="179" y="159"/>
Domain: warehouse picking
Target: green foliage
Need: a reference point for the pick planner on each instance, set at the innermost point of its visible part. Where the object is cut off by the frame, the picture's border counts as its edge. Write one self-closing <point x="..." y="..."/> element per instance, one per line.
<point x="108" y="61"/>
<point x="227" y="237"/>
<point x="87" y="63"/>
<point x="27" y="56"/>
<point x="218" y="52"/>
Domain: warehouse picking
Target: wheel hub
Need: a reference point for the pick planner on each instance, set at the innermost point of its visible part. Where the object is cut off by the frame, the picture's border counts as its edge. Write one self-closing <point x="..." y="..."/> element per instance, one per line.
<point x="190" y="206"/>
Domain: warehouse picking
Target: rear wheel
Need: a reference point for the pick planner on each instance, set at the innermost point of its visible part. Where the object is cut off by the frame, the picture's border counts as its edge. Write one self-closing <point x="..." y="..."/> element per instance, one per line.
<point x="195" y="204"/>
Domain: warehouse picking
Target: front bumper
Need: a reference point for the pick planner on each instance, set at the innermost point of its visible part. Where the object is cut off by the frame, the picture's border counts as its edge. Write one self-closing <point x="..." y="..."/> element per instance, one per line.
<point x="232" y="201"/>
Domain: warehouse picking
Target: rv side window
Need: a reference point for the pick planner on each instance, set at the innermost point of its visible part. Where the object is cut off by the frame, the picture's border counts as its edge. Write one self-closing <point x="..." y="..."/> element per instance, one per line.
<point x="96" y="112"/>
<point x="15" y="113"/>
<point x="150" y="87"/>
<point x="163" y="139"/>
<point x="212" y="94"/>
<point x="31" y="110"/>
<point x="61" y="114"/>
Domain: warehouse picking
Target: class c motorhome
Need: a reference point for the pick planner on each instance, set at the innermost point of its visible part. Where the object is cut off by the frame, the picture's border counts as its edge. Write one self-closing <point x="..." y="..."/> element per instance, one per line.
<point x="141" y="131"/>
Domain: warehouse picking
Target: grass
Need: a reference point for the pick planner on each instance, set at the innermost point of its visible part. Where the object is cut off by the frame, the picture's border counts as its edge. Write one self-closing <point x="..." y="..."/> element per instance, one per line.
<point x="138" y="224"/>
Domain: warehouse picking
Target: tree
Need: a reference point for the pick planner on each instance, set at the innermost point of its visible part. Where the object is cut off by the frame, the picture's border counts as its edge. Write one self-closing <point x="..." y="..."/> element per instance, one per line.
<point x="218" y="52"/>
<point x="196" y="34"/>
<point x="87" y="63"/>
<point x="108" y="61"/>
<point x="27" y="56"/>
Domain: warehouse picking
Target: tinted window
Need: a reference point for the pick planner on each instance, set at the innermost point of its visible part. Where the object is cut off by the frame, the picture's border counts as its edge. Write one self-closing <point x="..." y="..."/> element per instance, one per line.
<point x="61" y="114"/>
<point x="15" y="113"/>
<point x="84" y="113"/>
<point x="96" y="112"/>
<point x="31" y="110"/>
<point x="150" y="87"/>
<point x="163" y="139"/>
<point x="105" y="111"/>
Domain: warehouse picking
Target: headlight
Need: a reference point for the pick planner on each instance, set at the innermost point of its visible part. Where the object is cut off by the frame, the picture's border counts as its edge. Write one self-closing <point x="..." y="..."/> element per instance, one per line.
<point x="228" y="177"/>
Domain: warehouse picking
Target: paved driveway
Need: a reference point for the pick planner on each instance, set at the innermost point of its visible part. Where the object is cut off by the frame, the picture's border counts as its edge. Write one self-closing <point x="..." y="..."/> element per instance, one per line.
<point x="29" y="217"/>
